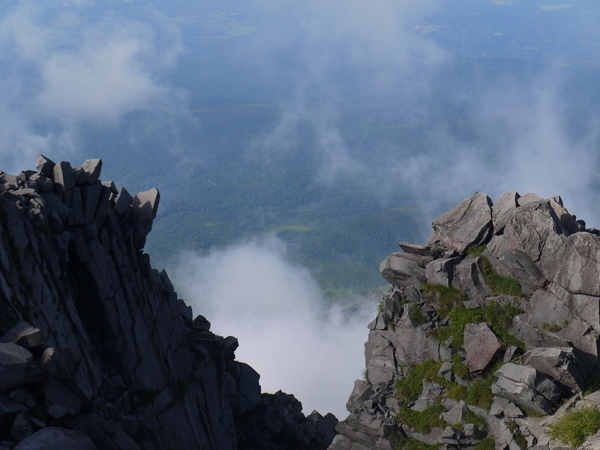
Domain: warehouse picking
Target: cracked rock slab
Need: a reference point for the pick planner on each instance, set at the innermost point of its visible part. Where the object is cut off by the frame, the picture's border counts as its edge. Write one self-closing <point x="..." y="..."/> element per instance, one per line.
<point x="467" y="225"/>
<point x="527" y="387"/>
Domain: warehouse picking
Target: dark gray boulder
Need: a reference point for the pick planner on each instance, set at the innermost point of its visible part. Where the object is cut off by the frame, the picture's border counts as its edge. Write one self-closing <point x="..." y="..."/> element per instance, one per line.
<point x="533" y="229"/>
<point x="61" y="401"/>
<point x="123" y="202"/>
<point x="145" y="207"/>
<point x="518" y="265"/>
<point x="23" y="335"/>
<point x="55" y="438"/>
<point x="91" y="171"/>
<point x="379" y="353"/>
<point x="429" y="396"/>
<point x="14" y="359"/>
<point x="145" y="204"/>
<point x="530" y="197"/>
<point x="44" y="165"/>
<point x="62" y="175"/>
<point x="91" y="197"/>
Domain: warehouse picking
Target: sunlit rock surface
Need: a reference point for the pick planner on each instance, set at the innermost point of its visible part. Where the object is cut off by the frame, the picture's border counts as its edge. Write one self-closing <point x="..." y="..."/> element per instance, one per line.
<point x="488" y="334"/>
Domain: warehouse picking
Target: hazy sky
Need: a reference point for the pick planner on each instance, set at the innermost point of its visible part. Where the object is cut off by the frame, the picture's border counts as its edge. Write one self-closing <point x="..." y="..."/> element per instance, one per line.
<point x="65" y="68"/>
<point x="522" y="120"/>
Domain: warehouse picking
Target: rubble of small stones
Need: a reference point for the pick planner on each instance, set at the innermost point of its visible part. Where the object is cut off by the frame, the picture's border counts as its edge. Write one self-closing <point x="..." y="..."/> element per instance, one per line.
<point x="97" y="351"/>
<point x="496" y="386"/>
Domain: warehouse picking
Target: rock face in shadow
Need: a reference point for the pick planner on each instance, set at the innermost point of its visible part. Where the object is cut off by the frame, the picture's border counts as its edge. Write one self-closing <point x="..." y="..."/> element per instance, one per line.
<point x="97" y="351"/>
<point x="489" y="332"/>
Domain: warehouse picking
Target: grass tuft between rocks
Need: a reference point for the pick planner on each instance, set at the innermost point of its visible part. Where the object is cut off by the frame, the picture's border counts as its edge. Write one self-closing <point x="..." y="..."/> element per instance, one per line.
<point x="576" y="426"/>
<point x="417" y="316"/>
<point x="486" y="444"/>
<point x="479" y="393"/>
<point x="422" y="421"/>
<point x="498" y="284"/>
<point x="471" y="417"/>
<point x="517" y="434"/>
<point x="409" y="388"/>
<point x="446" y="297"/>
<point x="498" y="317"/>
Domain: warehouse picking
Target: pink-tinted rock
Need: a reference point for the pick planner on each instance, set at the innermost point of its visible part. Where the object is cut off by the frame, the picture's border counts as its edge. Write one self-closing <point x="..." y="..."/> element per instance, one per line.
<point x="503" y="209"/>
<point x="528" y="198"/>
<point x="534" y="230"/>
<point x="467" y="225"/>
<point x="481" y="345"/>
<point x="576" y="263"/>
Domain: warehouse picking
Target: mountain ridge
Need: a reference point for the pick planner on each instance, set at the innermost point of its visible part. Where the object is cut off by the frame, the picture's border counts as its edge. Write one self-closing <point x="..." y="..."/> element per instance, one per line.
<point x="488" y="336"/>
<point x="97" y="350"/>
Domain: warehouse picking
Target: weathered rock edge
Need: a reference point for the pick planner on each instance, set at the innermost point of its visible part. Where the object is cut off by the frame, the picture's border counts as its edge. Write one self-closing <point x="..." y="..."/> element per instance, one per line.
<point x="97" y="351"/>
<point x="554" y="258"/>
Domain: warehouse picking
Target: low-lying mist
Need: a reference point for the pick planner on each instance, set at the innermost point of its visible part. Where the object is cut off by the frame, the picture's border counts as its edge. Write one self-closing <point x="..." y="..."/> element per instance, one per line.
<point x="286" y="331"/>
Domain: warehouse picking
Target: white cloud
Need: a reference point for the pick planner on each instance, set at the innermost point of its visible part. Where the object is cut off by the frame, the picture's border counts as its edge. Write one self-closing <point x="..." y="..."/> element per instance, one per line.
<point x="60" y="69"/>
<point x="277" y="312"/>
<point x="516" y="130"/>
<point x="528" y="146"/>
<point x="104" y="78"/>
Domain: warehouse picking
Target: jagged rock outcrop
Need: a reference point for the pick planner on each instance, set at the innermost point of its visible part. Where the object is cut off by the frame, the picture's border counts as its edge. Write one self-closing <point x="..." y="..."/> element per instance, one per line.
<point x="488" y="335"/>
<point x="97" y="351"/>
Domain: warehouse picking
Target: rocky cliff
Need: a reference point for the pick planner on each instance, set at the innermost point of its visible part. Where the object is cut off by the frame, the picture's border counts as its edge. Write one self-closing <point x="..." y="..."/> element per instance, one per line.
<point x="488" y="336"/>
<point x="97" y="351"/>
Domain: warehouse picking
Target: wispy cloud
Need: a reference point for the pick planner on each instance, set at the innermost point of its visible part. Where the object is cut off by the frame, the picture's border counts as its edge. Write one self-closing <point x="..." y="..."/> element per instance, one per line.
<point x="322" y="48"/>
<point x="526" y="141"/>
<point x="62" y="69"/>
<point x="517" y="130"/>
<point x="276" y="310"/>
